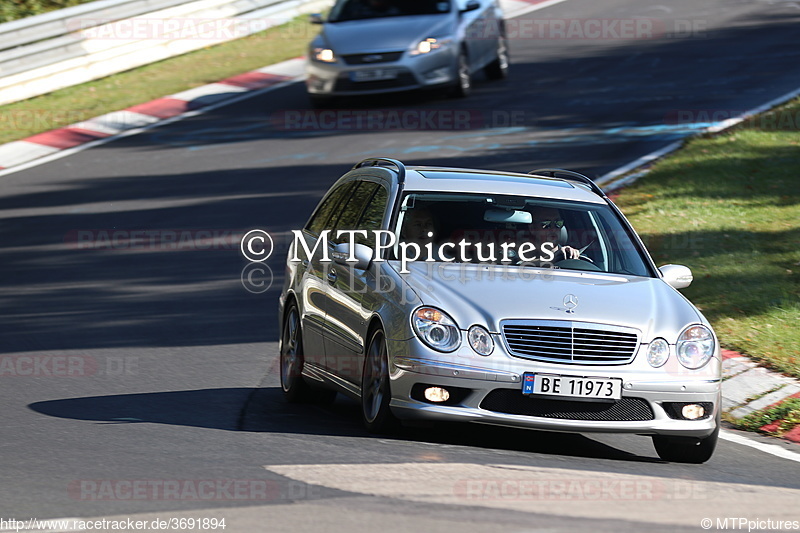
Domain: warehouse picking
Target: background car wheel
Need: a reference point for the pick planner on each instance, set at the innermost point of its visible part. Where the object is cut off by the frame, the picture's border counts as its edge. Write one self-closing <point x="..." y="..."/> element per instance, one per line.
<point x="686" y="449"/>
<point x="375" y="388"/>
<point x="498" y="69"/>
<point x="464" y="77"/>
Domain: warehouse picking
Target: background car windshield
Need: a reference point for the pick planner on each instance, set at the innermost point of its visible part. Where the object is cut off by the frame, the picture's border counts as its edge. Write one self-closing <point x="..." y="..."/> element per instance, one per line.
<point x="604" y="241"/>
<point x="367" y="9"/>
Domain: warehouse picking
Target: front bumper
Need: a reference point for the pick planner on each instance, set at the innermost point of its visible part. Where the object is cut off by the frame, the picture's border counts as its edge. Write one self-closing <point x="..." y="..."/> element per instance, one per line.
<point x="489" y="391"/>
<point x="410" y="73"/>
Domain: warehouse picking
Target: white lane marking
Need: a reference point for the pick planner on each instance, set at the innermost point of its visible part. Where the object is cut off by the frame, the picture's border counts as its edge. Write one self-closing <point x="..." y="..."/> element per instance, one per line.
<point x="714" y="128"/>
<point x="647" y="158"/>
<point x="771" y="449"/>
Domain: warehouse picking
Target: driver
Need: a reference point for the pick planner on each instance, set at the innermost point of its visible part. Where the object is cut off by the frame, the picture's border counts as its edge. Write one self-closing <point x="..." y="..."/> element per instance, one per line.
<point x="545" y="227"/>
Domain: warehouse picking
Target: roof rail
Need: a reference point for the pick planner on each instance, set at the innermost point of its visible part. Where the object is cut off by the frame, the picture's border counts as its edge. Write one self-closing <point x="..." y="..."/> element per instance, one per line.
<point x="572" y="174"/>
<point x="376" y="162"/>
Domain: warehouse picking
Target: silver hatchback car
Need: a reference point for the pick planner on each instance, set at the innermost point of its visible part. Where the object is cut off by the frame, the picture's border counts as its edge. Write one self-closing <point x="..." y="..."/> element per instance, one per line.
<point x="382" y="46"/>
<point x="526" y="300"/>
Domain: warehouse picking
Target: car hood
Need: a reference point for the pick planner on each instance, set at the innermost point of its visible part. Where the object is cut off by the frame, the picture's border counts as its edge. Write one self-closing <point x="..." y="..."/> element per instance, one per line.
<point x="390" y="34"/>
<point x="485" y="295"/>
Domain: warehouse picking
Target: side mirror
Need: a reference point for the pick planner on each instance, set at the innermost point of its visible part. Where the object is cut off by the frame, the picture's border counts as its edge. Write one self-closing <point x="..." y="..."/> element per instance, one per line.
<point x="362" y="254"/>
<point x="472" y="5"/>
<point x="316" y="18"/>
<point x="677" y="276"/>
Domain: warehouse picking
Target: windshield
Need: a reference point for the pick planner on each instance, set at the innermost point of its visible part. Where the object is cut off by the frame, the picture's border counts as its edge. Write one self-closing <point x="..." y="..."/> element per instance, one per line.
<point x="368" y="9"/>
<point x="515" y="230"/>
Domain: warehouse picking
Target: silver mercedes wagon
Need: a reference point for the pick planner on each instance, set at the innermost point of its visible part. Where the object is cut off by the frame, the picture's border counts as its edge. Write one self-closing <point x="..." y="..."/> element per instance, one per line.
<point x="527" y="300"/>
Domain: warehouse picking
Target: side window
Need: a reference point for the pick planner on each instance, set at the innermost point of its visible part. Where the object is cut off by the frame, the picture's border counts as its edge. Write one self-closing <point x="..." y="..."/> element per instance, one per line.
<point x="372" y="216"/>
<point x="351" y="212"/>
<point x="328" y="208"/>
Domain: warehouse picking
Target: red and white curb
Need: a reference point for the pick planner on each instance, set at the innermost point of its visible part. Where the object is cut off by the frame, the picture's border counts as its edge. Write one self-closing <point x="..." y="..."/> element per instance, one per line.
<point x="744" y="379"/>
<point x="143" y="116"/>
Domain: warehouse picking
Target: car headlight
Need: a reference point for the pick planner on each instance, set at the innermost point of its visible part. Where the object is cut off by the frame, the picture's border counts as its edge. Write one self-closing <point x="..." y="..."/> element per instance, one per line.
<point x="436" y="329"/>
<point x="695" y="346"/>
<point x="323" y="55"/>
<point x="429" y="45"/>
<point x="658" y="353"/>
<point x="480" y="340"/>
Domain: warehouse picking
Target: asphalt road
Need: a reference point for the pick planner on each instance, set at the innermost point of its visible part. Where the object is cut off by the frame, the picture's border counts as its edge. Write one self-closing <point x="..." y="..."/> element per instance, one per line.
<point x="139" y="380"/>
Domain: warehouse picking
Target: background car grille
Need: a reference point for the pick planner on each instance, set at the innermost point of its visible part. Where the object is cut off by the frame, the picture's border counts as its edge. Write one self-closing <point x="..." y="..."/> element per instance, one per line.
<point x="513" y="402"/>
<point x="372" y="59"/>
<point x="404" y="79"/>
<point x="570" y="342"/>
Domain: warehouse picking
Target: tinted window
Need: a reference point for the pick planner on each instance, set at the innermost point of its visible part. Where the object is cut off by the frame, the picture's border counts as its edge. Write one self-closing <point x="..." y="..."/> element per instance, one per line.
<point x="351" y="212"/>
<point x="372" y="217"/>
<point x="368" y="9"/>
<point x="487" y="222"/>
<point x="328" y="210"/>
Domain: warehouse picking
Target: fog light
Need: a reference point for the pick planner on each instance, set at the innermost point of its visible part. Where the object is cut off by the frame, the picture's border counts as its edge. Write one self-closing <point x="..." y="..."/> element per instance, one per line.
<point x="437" y="74"/>
<point x="693" y="411"/>
<point x="437" y="394"/>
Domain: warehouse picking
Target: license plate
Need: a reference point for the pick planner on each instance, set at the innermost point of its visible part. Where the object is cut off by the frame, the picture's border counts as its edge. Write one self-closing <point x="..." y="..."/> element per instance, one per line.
<point x="572" y="386"/>
<point x="373" y="75"/>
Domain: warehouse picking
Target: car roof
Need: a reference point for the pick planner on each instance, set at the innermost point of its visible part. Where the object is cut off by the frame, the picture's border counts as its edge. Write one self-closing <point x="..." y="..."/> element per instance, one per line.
<point x="440" y="179"/>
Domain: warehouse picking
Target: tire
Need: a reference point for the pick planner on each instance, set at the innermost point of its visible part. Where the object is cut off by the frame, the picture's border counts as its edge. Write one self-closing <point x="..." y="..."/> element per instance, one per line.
<point x="295" y="389"/>
<point x="686" y="449"/>
<point x="498" y="69"/>
<point x="375" y="387"/>
<point x="464" y="77"/>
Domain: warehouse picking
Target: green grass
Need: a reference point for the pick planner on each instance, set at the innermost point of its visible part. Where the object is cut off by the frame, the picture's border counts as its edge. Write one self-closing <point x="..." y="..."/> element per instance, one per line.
<point x="728" y="206"/>
<point x="17" y="9"/>
<point x="787" y="413"/>
<point x="81" y="102"/>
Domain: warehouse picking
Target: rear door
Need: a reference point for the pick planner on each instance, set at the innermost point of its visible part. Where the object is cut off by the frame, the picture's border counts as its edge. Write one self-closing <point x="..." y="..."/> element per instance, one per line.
<point x="351" y="297"/>
<point x="314" y="270"/>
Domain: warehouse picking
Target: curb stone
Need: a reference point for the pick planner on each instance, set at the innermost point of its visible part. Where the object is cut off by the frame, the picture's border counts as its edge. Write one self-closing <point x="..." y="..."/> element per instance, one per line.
<point x="744" y="379"/>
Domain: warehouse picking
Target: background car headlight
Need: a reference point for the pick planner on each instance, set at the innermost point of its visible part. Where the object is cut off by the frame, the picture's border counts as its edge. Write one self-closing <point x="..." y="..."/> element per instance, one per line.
<point x="480" y="340"/>
<point x="323" y="55"/>
<point x="658" y="353"/>
<point x="429" y="45"/>
<point x="436" y="329"/>
<point x="695" y="346"/>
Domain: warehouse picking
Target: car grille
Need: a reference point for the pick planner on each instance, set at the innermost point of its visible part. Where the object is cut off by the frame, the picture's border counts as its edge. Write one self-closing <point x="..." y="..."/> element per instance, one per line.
<point x="513" y="402"/>
<point x="563" y="341"/>
<point x="372" y="59"/>
<point x="404" y="79"/>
